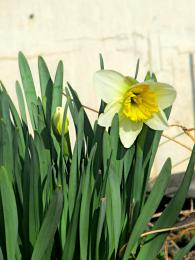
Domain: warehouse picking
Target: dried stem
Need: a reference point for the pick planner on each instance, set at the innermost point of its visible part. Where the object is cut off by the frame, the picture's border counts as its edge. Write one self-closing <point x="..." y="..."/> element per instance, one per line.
<point x="162" y="230"/>
<point x="182" y="212"/>
<point x="166" y="250"/>
<point x="186" y="130"/>
<point x="176" y="141"/>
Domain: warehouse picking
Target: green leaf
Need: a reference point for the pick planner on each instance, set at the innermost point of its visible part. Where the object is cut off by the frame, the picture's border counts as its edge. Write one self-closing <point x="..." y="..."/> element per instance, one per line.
<point x="28" y="86"/>
<point x="9" y="213"/>
<point x="76" y="162"/>
<point x="46" y="85"/>
<point x="43" y="154"/>
<point x="6" y="149"/>
<point x="57" y="88"/>
<point x="42" y="127"/>
<point x="98" y="139"/>
<point x="183" y="251"/>
<point x="128" y="159"/>
<point x="101" y="62"/>
<point x="69" y="248"/>
<point x="47" y="187"/>
<point x="18" y="126"/>
<point x="84" y="223"/>
<point x="154" y="242"/>
<point x="21" y="102"/>
<point x="5" y="113"/>
<point x="137" y="177"/>
<point x="1" y="254"/>
<point x="114" y="135"/>
<point x="101" y="221"/>
<point x="17" y="167"/>
<point x="137" y="69"/>
<point x="18" y="253"/>
<point x="73" y="110"/>
<point x="87" y="125"/>
<point x="149" y="208"/>
<point x="49" y="227"/>
<point x="64" y="223"/>
<point x="41" y="123"/>
<point x="80" y="135"/>
<point x="26" y="201"/>
<point x="154" y="77"/>
<point x="113" y="213"/>
<point x="35" y="202"/>
<point x="107" y="151"/>
<point x="73" y="183"/>
<point x="107" y="189"/>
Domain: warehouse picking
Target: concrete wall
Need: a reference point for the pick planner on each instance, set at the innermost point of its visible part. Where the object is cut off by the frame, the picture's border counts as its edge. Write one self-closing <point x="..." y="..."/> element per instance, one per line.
<point x="161" y="33"/>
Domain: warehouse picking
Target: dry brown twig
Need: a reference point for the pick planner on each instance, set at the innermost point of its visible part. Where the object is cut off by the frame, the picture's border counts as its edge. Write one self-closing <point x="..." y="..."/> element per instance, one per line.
<point x="180" y="234"/>
<point x="182" y="212"/>
<point x="177" y="142"/>
<point x="162" y="230"/>
<point x="185" y="130"/>
<point x="166" y="250"/>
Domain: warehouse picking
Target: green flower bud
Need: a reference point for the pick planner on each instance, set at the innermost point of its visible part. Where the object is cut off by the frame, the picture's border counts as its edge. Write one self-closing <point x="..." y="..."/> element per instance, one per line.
<point x="57" y="121"/>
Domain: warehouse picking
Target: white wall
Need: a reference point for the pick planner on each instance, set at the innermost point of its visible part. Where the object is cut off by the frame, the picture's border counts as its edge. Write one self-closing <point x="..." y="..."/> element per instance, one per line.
<point x="161" y="33"/>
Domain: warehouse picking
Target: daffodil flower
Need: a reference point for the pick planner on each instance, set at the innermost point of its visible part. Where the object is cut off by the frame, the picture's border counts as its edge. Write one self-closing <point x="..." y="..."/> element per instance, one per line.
<point x="135" y="103"/>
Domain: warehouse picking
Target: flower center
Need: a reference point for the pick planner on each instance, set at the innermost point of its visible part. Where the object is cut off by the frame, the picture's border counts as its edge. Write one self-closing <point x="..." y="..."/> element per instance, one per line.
<point x="139" y="103"/>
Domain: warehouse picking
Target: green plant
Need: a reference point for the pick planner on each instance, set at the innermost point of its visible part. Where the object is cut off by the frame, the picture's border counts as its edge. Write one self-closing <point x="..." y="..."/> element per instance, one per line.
<point x="91" y="203"/>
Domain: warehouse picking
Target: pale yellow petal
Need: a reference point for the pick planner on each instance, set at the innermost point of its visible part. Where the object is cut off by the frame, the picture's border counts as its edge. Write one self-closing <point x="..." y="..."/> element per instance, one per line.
<point x="158" y="121"/>
<point x="129" y="131"/>
<point x="105" y="119"/>
<point x="110" y="85"/>
<point x="165" y="94"/>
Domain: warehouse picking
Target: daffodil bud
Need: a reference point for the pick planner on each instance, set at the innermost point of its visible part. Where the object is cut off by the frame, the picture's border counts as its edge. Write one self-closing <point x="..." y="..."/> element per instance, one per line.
<point x="57" y="121"/>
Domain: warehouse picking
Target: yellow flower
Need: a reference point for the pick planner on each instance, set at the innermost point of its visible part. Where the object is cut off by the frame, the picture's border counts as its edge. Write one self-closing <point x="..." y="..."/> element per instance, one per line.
<point x="136" y="103"/>
<point x="57" y="121"/>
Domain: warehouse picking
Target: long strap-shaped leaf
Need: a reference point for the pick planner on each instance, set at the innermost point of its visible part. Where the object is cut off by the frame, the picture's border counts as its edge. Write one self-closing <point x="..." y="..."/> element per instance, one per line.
<point x="5" y="149"/>
<point x="149" y="207"/>
<point x="9" y="213"/>
<point x="71" y="239"/>
<point x="113" y="211"/>
<point x="100" y="225"/>
<point x="154" y="242"/>
<point x="29" y="87"/>
<point x="87" y="125"/>
<point x="49" y="226"/>
<point x="182" y="252"/>
<point x="21" y="102"/>
<point x="84" y="221"/>
<point x="46" y="85"/>
<point x="1" y="254"/>
<point x="18" y="125"/>
<point x="57" y="88"/>
<point x="35" y="203"/>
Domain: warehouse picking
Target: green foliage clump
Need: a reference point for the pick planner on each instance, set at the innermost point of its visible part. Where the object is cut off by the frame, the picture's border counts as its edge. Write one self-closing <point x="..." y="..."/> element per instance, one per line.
<point x="88" y="203"/>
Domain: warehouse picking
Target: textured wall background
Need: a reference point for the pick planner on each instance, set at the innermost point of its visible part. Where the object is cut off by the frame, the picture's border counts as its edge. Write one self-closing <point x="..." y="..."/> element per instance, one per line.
<point x="160" y="33"/>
